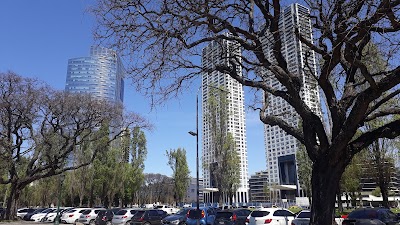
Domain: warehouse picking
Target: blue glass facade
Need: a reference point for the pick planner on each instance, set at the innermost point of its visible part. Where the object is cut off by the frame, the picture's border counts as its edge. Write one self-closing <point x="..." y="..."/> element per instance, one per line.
<point x="100" y="74"/>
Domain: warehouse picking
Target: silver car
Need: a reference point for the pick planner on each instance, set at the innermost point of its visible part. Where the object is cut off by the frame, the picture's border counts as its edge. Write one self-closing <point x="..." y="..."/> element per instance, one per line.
<point x="88" y="216"/>
<point x="123" y="216"/>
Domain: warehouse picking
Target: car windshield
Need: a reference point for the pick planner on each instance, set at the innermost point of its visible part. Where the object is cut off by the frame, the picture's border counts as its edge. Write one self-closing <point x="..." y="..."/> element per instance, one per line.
<point x="363" y="214"/>
<point x="304" y="215"/>
<point x="259" y="213"/>
<point x="182" y="212"/>
<point x="226" y="215"/>
<point x="121" y="212"/>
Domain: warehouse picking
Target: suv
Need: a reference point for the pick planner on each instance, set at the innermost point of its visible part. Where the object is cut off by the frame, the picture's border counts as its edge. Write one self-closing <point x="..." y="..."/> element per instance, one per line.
<point x="88" y="216"/>
<point x="148" y="217"/>
<point x="205" y="215"/>
<point x="272" y="216"/>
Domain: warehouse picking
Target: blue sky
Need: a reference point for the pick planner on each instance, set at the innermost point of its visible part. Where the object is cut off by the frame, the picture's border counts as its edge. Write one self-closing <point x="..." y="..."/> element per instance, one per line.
<point x="38" y="37"/>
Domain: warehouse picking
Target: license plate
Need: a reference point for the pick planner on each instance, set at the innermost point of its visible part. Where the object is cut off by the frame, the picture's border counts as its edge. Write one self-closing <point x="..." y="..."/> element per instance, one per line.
<point x="221" y="222"/>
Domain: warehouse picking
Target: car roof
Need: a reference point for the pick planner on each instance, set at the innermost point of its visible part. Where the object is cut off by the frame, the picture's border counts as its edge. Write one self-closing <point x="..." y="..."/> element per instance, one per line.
<point x="270" y="209"/>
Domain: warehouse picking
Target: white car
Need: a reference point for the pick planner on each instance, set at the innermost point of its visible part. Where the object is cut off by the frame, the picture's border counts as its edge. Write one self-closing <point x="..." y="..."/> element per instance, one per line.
<point x="271" y="216"/>
<point x="38" y="217"/>
<point x="50" y="217"/>
<point x="124" y="216"/>
<point x="303" y="218"/>
<point x="73" y="215"/>
<point x="88" y="216"/>
<point x="23" y="211"/>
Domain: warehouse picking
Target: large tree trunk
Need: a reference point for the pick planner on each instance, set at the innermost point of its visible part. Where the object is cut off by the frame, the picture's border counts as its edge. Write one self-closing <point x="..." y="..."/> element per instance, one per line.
<point x="325" y="183"/>
<point x="339" y="202"/>
<point x="12" y="202"/>
<point x="384" y="192"/>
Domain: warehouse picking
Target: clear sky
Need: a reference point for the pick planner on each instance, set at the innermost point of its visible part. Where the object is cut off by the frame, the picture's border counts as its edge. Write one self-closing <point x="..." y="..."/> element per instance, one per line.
<point x="38" y="37"/>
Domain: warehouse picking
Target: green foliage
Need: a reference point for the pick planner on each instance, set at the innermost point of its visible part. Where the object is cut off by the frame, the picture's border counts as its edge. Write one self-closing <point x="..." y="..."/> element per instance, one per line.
<point x="225" y="167"/>
<point x="178" y="163"/>
<point x="304" y="166"/>
<point x="376" y="192"/>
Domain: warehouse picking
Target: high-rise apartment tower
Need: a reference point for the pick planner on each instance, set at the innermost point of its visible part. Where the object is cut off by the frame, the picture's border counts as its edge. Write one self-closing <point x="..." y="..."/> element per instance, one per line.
<point x="216" y="53"/>
<point x="280" y="148"/>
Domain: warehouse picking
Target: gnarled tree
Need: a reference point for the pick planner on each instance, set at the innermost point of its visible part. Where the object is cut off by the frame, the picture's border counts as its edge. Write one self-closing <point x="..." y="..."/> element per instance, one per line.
<point x="168" y="37"/>
<point x="42" y="129"/>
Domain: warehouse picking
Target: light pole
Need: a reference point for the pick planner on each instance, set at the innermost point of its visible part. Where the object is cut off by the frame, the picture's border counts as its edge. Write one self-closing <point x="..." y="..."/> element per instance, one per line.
<point x="197" y="141"/>
<point x="61" y="180"/>
<point x="197" y="149"/>
<point x="197" y="155"/>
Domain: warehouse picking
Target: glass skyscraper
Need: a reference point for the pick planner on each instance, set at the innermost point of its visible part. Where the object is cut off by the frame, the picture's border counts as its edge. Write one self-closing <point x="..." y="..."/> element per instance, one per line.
<point x="100" y="74"/>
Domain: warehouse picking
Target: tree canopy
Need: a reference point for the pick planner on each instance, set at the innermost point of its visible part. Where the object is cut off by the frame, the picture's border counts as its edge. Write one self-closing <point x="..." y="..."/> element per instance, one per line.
<point x="168" y="37"/>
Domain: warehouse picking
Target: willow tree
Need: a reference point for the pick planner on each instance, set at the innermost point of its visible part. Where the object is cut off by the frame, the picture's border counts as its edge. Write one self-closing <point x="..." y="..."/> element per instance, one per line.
<point x="168" y="37"/>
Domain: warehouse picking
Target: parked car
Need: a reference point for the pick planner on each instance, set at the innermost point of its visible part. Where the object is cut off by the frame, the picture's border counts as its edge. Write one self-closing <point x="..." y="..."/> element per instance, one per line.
<point x="271" y="216"/>
<point x="104" y="217"/>
<point x="88" y="216"/>
<point x="124" y="216"/>
<point x="369" y="216"/>
<point x="72" y="215"/>
<point x="148" y="217"/>
<point x="232" y="217"/>
<point x="23" y="211"/>
<point x="50" y="217"/>
<point x="29" y="215"/>
<point x="38" y="217"/>
<point x="304" y="216"/>
<point x="206" y="216"/>
<point x="178" y="218"/>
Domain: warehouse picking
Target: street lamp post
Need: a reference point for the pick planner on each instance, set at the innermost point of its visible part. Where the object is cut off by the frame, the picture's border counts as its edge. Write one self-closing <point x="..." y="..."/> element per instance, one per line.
<point x="61" y="180"/>
<point x="197" y="146"/>
<point x="197" y="156"/>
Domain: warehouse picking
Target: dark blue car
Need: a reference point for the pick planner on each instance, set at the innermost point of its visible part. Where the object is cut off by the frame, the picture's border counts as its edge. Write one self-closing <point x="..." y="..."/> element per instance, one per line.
<point x="178" y="218"/>
<point x="205" y="215"/>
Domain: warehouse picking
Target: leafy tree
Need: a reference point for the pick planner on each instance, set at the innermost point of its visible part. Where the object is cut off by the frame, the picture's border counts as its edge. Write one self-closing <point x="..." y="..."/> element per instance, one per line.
<point x="169" y="36"/>
<point x="351" y="178"/>
<point x="178" y="163"/>
<point x="304" y="166"/>
<point x="41" y="129"/>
